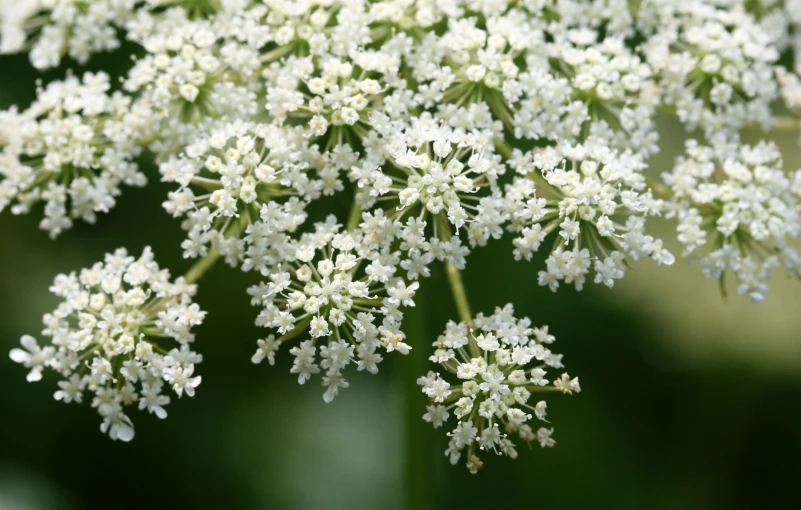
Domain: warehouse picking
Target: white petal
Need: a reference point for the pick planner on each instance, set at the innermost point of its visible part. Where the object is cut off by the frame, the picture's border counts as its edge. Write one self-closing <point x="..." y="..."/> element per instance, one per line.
<point x="29" y="343"/>
<point x="35" y="375"/>
<point x="125" y="433"/>
<point x="19" y="356"/>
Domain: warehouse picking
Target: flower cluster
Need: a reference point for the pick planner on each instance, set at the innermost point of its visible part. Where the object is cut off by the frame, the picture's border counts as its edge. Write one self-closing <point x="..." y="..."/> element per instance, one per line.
<point x="70" y="149"/>
<point x="123" y="333"/>
<point x="500" y="361"/>
<point x="713" y="62"/>
<point x="53" y="28"/>
<point x="191" y="70"/>
<point x="440" y="167"/>
<point x="329" y="284"/>
<point x="595" y="199"/>
<point x="737" y="211"/>
<point x="253" y="182"/>
<point x="443" y="125"/>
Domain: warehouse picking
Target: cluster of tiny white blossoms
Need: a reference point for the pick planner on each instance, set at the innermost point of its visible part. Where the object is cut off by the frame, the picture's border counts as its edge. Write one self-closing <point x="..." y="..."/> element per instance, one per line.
<point x="737" y="211"/>
<point x="444" y="125"/>
<point x="251" y="179"/>
<point x="123" y="333"/>
<point x="713" y="62"/>
<point x="500" y="361"/>
<point x="329" y="283"/>
<point x="597" y="201"/>
<point x="70" y="149"/>
<point x="51" y="29"/>
<point x="442" y="167"/>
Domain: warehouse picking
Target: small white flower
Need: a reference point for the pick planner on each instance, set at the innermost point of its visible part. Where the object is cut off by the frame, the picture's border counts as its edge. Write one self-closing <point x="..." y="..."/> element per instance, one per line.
<point x="267" y="349"/>
<point x="32" y="357"/>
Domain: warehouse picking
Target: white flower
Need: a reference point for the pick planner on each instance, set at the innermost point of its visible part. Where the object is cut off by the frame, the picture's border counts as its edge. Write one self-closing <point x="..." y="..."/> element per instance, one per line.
<point x="152" y="399"/>
<point x="32" y="357"/>
<point x="436" y="415"/>
<point x="115" y="422"/>
<point x="182" y="380"/>
<point x="267" y="349"/>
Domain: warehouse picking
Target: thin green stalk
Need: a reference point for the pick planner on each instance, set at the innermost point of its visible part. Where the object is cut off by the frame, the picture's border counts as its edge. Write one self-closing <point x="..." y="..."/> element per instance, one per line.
<point x="201" y="266"/>
<point x="503" y="148"/>
<point x="462" y="306"/>
<point x="354" y="218"/>
<point x="786" y="124"/>
<point x="459" y="294"/>
<point x="418" y="460"/>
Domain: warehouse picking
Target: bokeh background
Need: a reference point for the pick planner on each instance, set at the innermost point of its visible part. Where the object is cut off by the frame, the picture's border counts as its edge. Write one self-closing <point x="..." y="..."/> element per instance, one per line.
<point x="689" y="401"/>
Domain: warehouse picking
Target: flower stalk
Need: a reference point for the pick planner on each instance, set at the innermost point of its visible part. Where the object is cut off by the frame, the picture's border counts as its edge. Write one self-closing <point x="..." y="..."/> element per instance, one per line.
<point x="459" y="294"/>
<point x="418" y="475"/>
<point x="200" y="267"/>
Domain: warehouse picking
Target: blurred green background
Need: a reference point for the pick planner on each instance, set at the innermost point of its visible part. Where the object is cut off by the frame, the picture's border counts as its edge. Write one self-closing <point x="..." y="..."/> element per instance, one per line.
<point x="689" y="401"/>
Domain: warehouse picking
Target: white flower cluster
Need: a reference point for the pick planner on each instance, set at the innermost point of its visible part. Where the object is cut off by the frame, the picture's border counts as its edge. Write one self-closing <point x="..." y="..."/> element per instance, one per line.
<point x="443" y="167"/>
<point x="737" y="211"/>
<point x="70" y="149"/>
<point x="191" y="69"/>
<point x="579" y="75"/>
<point x="123" y="333"/>
<point x="253" y="182"/>
<point x="327" y="282"/>
<point x="500" y="361"/>
<point x="597" y="201"/>
<point x="444" y="124"/>
<point x="53" y="28"/>
<point x="713" y="62"/>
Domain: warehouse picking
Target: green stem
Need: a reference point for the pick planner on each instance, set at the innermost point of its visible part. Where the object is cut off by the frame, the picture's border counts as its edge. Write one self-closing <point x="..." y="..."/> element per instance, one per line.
<point x="201" y="266"/>
<point x="418" y="459"/>
<point x="459" y="294"/>
<point x="660" y="190"/>
<point x="354" y="218"/>
<point x="277" y="53"/>
<point x="503" y="148"/>
<point x="786" y="124"/>
<point x="297" y="330"/>
<point x="462" y="306"/>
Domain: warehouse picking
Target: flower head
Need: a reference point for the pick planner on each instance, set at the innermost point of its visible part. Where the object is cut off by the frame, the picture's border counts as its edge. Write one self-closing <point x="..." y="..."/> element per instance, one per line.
<point x="499" y="361"/>
<point x="244" y="188"/>
<point x="596" y="202"/>
<point x="122" y="332"/>
<point x="71" y="149"/>
<point x="737" y="211"/>
<point x="344" y="298"/>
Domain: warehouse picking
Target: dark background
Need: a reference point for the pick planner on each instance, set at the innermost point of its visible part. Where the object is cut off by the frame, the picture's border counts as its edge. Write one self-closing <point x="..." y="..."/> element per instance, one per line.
<point x="689" y="401"/>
